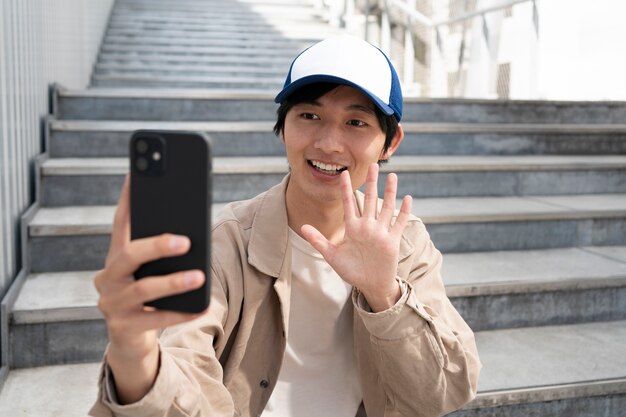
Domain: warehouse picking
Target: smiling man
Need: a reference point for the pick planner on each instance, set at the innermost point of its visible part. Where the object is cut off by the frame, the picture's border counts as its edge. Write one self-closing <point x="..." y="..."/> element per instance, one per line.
<point x="324" y="300"/>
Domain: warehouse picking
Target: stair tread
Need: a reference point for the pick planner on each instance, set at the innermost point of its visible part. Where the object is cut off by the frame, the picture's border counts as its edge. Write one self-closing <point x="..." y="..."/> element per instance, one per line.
<point x="574" y="357"/>
<point x="276" y="61"/>
<point x="399" y="163"/>
<point x="229" y="126"/>
<point x="273" y="82"/>
<point x="68" y="296"/>
<point x="60" y="221"/>
<point x="522" y="271"/>
<point x="133" y="67"/>
<point x="43" y="391"/>
<point x="552" y="355"/>
<point x="184" y="93"/>
<point x="49" y="297"/>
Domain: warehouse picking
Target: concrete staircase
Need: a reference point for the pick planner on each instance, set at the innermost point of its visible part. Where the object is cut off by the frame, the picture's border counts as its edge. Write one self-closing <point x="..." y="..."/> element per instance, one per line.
<point x="526" y="199"/>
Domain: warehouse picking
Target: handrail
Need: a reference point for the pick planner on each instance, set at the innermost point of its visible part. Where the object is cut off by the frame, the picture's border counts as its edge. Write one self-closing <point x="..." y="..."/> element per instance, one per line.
<point x="413" y="14"/>
<point x="416" y="25"/>
<point x="417" y="16"/>
<point x="479" y="12"/>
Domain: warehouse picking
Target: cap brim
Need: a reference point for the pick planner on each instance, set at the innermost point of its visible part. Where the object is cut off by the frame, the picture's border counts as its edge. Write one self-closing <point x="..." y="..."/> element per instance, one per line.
<point x="320" y="78"/>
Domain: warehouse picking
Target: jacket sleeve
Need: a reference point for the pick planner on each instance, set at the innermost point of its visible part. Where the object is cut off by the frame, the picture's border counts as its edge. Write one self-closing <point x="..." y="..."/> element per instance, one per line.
<point x="190" y="377"/>
<point x="419" y="357"/>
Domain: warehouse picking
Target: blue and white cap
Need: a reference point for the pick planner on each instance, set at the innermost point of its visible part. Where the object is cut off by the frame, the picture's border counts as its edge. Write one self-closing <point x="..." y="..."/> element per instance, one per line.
<point x="351" y="61"/>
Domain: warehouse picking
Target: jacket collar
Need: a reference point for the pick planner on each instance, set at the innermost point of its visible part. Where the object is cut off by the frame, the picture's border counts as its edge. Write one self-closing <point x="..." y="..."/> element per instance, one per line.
<point x="270" y="232"/>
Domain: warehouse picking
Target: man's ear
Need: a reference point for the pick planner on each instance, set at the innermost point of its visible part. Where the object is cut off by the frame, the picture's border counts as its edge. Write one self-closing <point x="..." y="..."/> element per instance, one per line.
<point x="395" y="142"/>
<point x="281" y="135"/>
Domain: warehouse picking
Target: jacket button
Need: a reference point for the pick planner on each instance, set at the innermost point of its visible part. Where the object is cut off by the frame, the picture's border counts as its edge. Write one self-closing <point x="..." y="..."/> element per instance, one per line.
<point x="264" y="383"/>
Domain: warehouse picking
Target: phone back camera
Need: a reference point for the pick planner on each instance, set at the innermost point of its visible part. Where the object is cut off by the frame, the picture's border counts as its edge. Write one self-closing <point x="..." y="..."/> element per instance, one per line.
<point x="142" y="146"/>
<point x="147" y="155"/>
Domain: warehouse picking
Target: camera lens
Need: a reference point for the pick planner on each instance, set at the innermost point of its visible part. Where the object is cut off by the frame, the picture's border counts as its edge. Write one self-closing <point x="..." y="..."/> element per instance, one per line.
<point x="141" y="146"/>
<point x="141" y="164"/>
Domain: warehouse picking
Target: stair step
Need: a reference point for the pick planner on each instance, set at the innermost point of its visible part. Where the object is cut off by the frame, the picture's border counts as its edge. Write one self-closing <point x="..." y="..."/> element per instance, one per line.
<point x="574" y="370"/>
<point x="194" y="22"/>
<point x="55" y="320"/>
<point x="250" y="51"/>
<point x="43" y="391"/>
<point x="92" y="138"/>
<point x="579" y="368"/>
<point x="54" y="297"/>
<point x="508" y="289"/>
<point x="589" y="117"/>
<point x="212" y="76"/>
<point x="186" y="81"/>
<point x="187" y="68"/>
<point x="247" y="41"/>
<point x="455" y="225"/>
<point x="216" y="31"/>
<point x="95" y="220"/>
<point x="281" y="62"/>
<point x="515" y="111"/>
<point x="578" y="284"/>
<point x="70" y="181"/>
<point x="100" y="139"/>
<point x="223" y="11"/>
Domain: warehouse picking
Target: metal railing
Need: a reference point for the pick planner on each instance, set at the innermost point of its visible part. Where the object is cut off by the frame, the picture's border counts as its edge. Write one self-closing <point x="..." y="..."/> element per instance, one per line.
<point x="403" y="19"/>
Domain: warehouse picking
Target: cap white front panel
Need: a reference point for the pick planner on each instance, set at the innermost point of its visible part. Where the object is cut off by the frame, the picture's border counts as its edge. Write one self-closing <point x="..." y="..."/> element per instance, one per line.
<point x="349" y="58"/>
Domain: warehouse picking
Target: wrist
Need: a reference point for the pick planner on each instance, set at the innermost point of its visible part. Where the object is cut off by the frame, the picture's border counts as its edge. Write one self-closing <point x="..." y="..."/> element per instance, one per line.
<point x="133" y="378"/>
<point x="384" y="300"/>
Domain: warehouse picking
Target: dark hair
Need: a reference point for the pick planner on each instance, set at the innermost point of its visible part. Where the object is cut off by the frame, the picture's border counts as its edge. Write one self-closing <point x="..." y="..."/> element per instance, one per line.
<point x="311" y="92"/>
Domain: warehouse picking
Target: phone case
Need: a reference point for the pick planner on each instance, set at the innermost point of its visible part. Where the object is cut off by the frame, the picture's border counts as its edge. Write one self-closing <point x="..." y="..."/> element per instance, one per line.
<point x="170" y="191"/>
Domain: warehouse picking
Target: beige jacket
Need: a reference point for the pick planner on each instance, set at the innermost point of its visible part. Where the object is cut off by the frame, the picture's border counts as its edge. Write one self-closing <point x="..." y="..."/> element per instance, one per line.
<point x="418" y="358"/>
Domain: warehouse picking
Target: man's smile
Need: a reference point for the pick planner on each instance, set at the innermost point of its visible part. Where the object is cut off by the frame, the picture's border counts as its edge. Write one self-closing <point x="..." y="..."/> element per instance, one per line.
<point x="329" y="169"/>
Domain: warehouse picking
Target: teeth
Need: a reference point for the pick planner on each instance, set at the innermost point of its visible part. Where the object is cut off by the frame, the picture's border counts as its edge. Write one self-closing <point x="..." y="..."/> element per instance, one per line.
<point x="327" y="167"/>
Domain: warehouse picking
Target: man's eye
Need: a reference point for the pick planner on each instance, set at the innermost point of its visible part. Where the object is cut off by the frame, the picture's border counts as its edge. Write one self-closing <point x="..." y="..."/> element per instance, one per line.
<point x="309" y="116"/>
<point x="357" y="123"/>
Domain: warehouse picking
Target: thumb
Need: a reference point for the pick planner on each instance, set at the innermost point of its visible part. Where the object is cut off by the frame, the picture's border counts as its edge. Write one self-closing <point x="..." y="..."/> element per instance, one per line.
<point x="316" y="239"/>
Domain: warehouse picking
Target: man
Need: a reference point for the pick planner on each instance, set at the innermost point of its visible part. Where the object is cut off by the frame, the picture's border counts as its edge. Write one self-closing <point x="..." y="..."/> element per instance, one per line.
<point x="322" y="298"/>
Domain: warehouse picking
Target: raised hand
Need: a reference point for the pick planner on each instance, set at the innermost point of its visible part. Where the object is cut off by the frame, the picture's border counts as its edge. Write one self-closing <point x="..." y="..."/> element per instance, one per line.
<point x="367" y="257"/>
<point x="133" y="328"/>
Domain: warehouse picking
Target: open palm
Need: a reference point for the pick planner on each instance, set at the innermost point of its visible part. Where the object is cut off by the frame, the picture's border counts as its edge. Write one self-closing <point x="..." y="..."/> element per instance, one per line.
<point x="367" y="257"/>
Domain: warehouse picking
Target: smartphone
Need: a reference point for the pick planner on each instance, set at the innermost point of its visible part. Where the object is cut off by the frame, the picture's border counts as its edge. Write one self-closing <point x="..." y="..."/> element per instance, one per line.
<point x="170" y="192"/>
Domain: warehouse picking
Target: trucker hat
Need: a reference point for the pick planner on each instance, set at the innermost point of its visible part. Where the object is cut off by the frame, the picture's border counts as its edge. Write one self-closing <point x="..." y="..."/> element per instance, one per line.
<point x="348" y="60"/>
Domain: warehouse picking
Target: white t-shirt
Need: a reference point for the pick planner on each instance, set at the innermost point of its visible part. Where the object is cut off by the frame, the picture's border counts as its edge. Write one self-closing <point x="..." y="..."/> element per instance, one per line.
<point x="318" y="375"/>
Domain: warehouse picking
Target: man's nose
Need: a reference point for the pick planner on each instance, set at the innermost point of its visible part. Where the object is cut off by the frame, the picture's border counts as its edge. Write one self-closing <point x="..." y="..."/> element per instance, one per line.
<point x="329" y="138"/>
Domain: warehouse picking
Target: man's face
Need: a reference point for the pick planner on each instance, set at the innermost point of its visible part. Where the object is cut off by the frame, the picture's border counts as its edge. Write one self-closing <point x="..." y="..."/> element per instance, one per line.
<point x="338" y="131"/>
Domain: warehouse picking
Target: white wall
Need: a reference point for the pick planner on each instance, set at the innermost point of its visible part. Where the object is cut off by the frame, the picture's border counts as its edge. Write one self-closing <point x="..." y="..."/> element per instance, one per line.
<point x="581" y="54"/>
<point x="576" y="53"/>
<point x="41" y="41"/>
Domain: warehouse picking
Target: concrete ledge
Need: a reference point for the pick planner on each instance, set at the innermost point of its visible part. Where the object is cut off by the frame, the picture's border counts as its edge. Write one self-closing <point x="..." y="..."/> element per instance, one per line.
<point x="548" y="393"/>
<point x="87" y="220"/>
<point x="399" y="164"/>
<point x="262" y="95"/>
<point x="55" y="297"/>
<point x="44" y="391"/>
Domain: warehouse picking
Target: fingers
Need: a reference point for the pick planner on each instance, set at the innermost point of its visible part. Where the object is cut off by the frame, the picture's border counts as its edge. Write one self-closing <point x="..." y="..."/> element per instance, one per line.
<point x="389" y="199"/>
<point x="403" y="216"/>
<point x="121" y="221"/>
<point x="140" y="251"/>
<point x="370" y="202"/>
<point x="152" y="288"/>
<point x="316" y="239"/>
<point x="142" y="321"/>
<point x="349" y="205"/>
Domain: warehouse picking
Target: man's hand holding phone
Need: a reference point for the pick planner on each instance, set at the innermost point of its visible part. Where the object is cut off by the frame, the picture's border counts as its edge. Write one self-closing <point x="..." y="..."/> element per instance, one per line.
<point x="133" y="328"/>
<point x="155" y="271"/>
